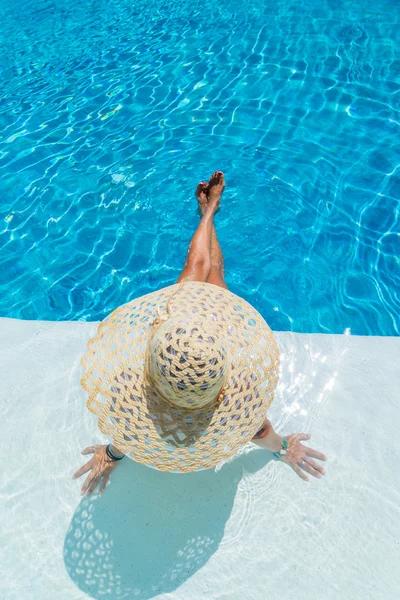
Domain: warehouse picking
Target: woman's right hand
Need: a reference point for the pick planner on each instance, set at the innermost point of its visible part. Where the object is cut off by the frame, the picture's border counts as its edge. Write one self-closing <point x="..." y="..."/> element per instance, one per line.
<point x="301" y="458"/>
<point x="100" y="467"/>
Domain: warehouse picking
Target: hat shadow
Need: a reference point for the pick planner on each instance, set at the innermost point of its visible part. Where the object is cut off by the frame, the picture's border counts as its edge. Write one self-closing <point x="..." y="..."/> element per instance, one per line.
<point x="151" y="531"/>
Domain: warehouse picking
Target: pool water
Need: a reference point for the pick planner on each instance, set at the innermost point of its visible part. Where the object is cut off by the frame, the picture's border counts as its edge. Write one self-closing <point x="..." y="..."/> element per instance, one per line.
<point x="110" y="113"/>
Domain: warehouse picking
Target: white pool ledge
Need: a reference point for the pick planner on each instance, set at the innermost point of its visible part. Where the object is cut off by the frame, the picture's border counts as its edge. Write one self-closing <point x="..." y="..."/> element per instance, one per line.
<point x="252" y="530"/>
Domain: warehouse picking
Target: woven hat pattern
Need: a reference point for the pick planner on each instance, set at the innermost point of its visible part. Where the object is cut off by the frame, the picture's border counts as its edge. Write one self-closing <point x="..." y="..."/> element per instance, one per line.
<point x="224" y="341"/>
<point x="187" y="362"/>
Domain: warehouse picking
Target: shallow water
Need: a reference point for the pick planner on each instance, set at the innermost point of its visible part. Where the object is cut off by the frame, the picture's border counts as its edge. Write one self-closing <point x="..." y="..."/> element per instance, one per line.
<point x="251" y="531"/>
<point x="111" y="112"/>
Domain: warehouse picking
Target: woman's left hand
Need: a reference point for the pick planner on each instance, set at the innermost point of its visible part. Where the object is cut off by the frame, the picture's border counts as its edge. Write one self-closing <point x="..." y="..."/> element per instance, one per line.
<point x="301" y="458"/>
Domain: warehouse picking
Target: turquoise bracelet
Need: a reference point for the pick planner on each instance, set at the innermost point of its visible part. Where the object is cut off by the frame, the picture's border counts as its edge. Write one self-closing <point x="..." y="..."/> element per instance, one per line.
<point x="282" y="451"/>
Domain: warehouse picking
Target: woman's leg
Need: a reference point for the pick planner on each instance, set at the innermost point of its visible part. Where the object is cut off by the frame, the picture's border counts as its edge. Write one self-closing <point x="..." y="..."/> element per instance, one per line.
<point x="198" y="261"/>
<point x="203" y="192"/>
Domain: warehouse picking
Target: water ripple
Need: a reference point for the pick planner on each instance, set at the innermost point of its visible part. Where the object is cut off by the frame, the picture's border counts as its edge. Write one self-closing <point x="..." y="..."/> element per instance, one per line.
<point x="110" y="114"/>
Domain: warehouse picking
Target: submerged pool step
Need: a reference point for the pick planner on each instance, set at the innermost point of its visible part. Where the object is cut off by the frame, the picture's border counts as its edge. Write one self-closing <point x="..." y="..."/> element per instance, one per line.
<point x="252" y="529"/>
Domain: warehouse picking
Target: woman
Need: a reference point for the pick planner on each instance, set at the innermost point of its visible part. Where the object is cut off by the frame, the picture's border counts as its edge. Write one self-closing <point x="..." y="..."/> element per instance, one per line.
<point x="181" y="378"/>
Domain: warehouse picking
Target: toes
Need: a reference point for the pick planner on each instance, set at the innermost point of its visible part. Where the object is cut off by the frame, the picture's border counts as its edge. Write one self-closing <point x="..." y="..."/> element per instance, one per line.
<point x="201" y="191"/>
<point x="199" y="188"/>
<point x="216" y="178"/>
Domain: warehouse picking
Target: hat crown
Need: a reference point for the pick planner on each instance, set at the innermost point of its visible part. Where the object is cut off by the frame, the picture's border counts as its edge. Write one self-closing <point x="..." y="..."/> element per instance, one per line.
<point x="187" y="362"/>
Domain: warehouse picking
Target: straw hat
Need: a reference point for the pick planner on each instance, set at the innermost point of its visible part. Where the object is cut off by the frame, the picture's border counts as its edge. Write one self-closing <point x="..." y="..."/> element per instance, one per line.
<point x="182" y="377"/>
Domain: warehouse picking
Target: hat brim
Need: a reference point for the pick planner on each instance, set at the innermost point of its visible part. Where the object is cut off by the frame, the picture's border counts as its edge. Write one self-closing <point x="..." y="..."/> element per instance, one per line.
<point x="146" y="427"/>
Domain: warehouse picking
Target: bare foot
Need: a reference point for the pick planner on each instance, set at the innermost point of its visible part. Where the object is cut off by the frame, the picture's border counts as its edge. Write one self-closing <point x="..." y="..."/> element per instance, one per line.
<point x="201" y="195"/>
<point x="216" y="186"/>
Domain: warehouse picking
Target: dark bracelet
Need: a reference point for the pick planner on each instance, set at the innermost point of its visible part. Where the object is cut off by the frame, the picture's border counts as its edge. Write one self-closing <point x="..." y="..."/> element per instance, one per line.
<point x="110" y="454"/>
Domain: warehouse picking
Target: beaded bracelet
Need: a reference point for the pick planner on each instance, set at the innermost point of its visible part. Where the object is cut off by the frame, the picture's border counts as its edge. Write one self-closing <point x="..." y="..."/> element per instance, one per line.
<point x="283" y="450"/>
<point x="111" y="455"/>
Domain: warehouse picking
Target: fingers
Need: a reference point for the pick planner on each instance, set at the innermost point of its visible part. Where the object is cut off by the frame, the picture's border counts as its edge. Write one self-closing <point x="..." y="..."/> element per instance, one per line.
<point x="315" y="465"/>
<point x="315" y="454"/>
<point x="89" y="450"/>
<point x="90" y="484"/>
<point x="310" y="469"/>
<point x="86" y="485"/>
<point x="300" y="472"/>
<point x="83" y="470"/>
<point x="104" y="483"/>
<point x="302" y="437"/>
<point x="93" y="485"/>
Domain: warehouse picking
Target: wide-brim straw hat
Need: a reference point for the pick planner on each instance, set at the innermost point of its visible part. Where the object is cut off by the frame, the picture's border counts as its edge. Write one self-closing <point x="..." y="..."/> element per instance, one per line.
<point x="182" y="377"/>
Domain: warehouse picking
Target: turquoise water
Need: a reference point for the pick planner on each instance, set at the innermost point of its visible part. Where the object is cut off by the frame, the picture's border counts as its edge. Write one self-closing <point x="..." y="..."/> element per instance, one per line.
<point x="110" y="113"/>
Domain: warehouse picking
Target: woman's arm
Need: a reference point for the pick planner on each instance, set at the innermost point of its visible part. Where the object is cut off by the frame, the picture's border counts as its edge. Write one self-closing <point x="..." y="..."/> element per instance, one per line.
<point x="100" y="467"/>
<point x="297" y="456"/>
<point x="267" y="438"/>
